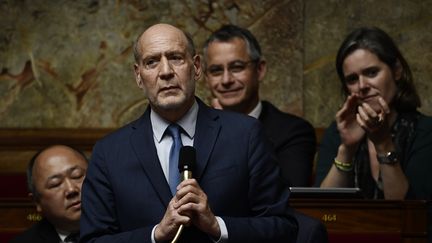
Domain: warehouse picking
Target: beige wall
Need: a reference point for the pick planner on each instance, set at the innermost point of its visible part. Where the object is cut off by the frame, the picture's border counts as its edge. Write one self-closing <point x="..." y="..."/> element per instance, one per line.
<point x="68" y="64"/>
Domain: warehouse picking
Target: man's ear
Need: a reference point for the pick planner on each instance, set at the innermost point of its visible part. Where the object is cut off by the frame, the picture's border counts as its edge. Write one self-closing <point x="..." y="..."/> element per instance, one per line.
<point x="197" y="67"/>
<point x="261" y="69"/>
<point x="36" y="202"/>
<point x="138" y="79"/>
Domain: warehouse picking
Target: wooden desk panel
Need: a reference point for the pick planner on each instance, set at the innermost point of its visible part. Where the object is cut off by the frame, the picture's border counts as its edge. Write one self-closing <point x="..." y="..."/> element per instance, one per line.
<point x="353" y="220"/>
<point x="406" y="219"/>
<point x="17" y="215"/>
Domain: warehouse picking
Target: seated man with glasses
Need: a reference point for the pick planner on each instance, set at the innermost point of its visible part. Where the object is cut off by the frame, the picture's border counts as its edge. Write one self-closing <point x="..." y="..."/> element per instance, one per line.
<point x="233" y="69"/>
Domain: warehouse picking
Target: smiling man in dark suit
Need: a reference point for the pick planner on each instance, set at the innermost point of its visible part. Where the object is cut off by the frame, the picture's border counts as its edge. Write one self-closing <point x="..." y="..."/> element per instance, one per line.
<point x="55" y="175"/>
<point x="235" y="196"/>
<point x="234" y="67"/>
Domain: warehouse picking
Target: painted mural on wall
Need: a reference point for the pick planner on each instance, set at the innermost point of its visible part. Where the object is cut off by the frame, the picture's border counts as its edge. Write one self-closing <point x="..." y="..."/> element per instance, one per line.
<point x="70" y="63"/>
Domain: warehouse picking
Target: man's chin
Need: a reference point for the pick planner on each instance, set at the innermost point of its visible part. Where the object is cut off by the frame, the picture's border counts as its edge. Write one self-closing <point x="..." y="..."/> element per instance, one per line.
<point x="74" y="218"/>
<point x="229" y="102"/>
<point x="171" y="103"/>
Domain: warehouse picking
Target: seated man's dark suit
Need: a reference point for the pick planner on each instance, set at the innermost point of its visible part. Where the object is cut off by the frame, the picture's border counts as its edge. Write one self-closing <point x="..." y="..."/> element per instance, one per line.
<point x="294" y="142"/>
<point x="125" y="193"/>
<point x="40" y="232"/>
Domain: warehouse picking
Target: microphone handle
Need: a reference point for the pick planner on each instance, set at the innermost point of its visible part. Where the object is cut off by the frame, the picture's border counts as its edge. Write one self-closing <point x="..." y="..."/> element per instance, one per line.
<point x="186" y="174"/>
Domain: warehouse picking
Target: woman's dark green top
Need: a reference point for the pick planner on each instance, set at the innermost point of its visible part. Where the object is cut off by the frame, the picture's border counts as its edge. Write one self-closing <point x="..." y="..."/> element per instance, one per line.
<point x="412" y="135"/>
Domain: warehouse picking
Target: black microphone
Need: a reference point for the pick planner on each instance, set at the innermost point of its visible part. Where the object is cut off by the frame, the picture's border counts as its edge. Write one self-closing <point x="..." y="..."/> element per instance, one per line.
<point x="187" y="161"/>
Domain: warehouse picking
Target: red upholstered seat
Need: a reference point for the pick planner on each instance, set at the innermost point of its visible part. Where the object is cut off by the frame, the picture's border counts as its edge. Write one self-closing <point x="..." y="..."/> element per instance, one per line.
<point x="13" y="185"/>
<point x="7" y="236"/>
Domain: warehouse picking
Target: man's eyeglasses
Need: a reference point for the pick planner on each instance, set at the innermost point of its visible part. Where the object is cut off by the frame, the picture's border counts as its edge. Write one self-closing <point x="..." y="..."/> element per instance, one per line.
<point x="234" y="68"/>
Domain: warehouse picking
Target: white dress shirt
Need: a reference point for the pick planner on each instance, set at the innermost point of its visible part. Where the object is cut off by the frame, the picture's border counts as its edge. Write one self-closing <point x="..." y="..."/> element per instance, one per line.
<point x="63" y="235"/>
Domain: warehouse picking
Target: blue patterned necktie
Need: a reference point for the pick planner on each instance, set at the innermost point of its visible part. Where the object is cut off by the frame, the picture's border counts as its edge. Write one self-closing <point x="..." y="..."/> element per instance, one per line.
<point x="174" y="174"/>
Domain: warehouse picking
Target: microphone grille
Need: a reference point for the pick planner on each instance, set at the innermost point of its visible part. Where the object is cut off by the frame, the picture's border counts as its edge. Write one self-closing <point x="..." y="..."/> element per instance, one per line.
<point x="187" y="158"/>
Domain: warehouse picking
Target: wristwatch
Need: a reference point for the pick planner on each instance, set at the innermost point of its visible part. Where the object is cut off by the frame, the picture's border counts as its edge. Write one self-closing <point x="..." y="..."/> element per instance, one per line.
<point x="389" y="158"/>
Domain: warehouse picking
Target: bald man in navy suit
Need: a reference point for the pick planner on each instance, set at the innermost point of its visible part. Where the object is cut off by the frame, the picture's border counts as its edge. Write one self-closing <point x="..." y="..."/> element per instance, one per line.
<point x="235" y="194"/>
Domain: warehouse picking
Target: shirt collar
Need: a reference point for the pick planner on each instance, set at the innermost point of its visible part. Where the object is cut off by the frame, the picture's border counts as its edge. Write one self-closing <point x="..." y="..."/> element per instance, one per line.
<point x="187" y="122"/>
<point x="256" y="112"/>
<point x="62" y="234"/>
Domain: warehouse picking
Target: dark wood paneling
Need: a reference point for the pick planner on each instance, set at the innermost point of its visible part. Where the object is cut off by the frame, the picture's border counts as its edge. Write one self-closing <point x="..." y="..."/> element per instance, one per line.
<point x="346" y="220"/>
<point x="34" y="139"/>
<point x="17" y="146"/>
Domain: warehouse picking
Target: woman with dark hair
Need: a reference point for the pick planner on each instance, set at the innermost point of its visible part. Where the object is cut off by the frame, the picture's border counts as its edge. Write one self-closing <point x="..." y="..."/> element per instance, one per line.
<point x="379" y="141"/>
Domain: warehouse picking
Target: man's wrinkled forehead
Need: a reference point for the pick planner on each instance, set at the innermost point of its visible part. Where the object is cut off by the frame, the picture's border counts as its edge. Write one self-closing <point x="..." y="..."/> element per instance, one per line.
<point x="163" y="44"/>
<point x="163" y="33"/>
<point x="163" y="38"/>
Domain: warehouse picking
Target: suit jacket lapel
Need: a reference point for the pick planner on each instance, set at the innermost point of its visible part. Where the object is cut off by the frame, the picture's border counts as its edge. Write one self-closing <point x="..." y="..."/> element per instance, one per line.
<point x="143" y="144"/>
<point x="207" y="130"/>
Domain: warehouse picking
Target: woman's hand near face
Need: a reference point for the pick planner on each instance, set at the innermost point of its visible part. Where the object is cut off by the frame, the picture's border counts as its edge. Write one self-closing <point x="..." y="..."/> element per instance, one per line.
<point x="377" y="124"/>
<point x="350" y="131"/>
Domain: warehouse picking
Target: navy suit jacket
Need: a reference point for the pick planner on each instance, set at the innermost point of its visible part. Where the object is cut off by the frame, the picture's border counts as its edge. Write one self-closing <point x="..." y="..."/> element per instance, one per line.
<point x="294" y="142"/>
<point x="125" y="193"/>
